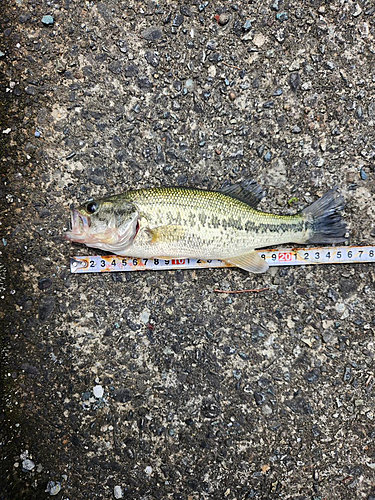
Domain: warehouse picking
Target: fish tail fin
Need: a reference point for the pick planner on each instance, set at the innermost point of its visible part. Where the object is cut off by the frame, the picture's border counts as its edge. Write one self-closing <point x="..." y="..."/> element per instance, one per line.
<point x="325" y="223"/>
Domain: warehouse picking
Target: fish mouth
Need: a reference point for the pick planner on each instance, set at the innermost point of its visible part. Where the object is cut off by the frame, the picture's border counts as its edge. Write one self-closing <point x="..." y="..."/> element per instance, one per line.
<point x="79" y="226"/>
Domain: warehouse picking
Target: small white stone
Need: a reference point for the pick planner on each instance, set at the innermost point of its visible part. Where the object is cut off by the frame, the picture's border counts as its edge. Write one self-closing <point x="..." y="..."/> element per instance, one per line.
<point x="148" y="470"/>
<point x="28" y="464"/>
<point x="7" y="131"/>
<point x="145" y="316"/>
<point x="189" y="84"/>
<point x="98" y="391"/>
<point x="340" y="307"/>
<point x="307" y="85"/>
<point x="259" y="40"/>
<point x="118" y="492"/>
<point x="266" y="410"/>
<point x="357" y="11"/>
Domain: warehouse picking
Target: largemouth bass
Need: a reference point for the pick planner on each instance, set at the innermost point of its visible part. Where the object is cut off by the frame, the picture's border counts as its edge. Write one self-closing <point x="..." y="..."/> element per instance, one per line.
<point x="194" y="223"/>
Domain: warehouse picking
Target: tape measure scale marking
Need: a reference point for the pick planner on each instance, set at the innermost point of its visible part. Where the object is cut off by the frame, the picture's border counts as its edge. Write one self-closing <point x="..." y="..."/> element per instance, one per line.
<point x="283" y="257"/>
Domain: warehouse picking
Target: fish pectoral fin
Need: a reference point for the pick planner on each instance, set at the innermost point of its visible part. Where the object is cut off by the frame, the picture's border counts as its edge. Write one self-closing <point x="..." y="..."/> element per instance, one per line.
<point x="251" y="262"/>
<point x="171" y="232"/>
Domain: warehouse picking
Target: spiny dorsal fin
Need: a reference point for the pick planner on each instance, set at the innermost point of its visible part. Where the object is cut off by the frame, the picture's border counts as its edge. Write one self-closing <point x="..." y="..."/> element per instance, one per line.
<point x="247" y="191"/>
<point x="251" y="262"/>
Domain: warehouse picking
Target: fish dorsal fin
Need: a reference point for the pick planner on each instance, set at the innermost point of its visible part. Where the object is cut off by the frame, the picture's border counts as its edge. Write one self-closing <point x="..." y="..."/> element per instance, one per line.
<point x="251" y="262"/>
<point x="247" y="191"/>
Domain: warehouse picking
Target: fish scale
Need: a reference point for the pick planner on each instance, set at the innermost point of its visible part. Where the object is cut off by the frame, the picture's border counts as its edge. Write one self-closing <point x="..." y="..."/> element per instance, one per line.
<point x="228" y="225"/>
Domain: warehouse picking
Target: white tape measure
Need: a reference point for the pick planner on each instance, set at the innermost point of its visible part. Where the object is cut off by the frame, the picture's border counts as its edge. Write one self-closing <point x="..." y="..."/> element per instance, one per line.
<point x="283" y="257"/>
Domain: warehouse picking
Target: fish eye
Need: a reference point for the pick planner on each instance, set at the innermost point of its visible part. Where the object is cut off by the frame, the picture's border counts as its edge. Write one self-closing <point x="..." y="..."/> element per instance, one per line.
<point x="92" y="207"/>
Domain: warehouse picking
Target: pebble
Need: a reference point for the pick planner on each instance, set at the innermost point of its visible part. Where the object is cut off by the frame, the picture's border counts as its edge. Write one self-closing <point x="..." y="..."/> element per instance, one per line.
<point x="282" y="16"/>
<point x="247" y="25"/>
<point x="202" y="6"/>
<point x="53" y="488"/>
<point x="224" y="18"/>
<point x="357" y="11"/>
<point x="118" y="492"/>
<point x="37" y="133"/>
<point x="46" y="308"/>
<point x="189" y="84"/>
<point x="28" y="465"/>
<point x="295" y="81"/>
<point x="98" y="391"/>
<point x="347" y="374"/>
<point x="268" y="156"/>
<point x="232" y="96"/>
<point x="363" y="174"/>
<point x="259" y="40"/>
<point x="148" y="470"/>
<point x="2" y="54"/>
<point x="44" y="283"/>
<point x="178" y="20"/>
<point x="266" y="410"/>
<point x="47" y="20"/>
<point x="340" y="307"/>
<point x="152" y="59"/>
<point x="152" y="33"/>
<point x="145" y="316"/>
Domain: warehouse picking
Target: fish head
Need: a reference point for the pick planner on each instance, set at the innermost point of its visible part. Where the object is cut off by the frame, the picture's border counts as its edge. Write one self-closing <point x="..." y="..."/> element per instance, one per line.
<point x="109" y="224"/>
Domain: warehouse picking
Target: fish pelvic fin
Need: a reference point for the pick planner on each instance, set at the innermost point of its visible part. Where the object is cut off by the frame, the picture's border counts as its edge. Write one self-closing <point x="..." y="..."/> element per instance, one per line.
<point x="324" y="218"/>
<point x="247" y="191"/>
<point x="251" y="262"/>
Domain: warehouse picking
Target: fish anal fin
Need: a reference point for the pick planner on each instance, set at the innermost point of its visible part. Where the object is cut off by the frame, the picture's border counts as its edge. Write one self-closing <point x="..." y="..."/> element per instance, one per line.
<point x="171" y="232"/>
<point x="247" y="191"/>
<point x="251" y="262"/>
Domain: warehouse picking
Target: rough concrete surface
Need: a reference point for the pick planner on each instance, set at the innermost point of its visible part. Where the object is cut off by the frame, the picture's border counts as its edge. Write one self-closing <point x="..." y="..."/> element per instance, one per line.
<point x="151" y="385"/>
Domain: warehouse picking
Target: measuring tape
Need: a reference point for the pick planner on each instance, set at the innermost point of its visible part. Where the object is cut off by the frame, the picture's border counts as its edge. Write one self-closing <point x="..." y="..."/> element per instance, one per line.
<point x="286" y="257"/>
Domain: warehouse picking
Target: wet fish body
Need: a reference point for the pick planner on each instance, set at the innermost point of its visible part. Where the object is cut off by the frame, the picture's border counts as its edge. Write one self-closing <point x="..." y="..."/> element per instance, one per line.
<point x="184" y="222"/>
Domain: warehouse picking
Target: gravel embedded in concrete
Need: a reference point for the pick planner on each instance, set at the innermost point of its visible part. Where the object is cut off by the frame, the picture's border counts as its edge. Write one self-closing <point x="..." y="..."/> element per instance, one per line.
<point x="206" y="395"/>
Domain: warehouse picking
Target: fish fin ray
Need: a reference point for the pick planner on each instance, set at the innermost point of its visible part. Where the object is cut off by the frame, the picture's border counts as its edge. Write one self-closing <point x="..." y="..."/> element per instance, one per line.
<point x="247" y="191"/>
<point x="251" y="262"/>
<point x="324" y="219"/>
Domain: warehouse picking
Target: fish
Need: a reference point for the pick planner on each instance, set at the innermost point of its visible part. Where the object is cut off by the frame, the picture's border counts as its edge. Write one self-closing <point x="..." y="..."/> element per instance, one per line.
<point x="177" y="222"/>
